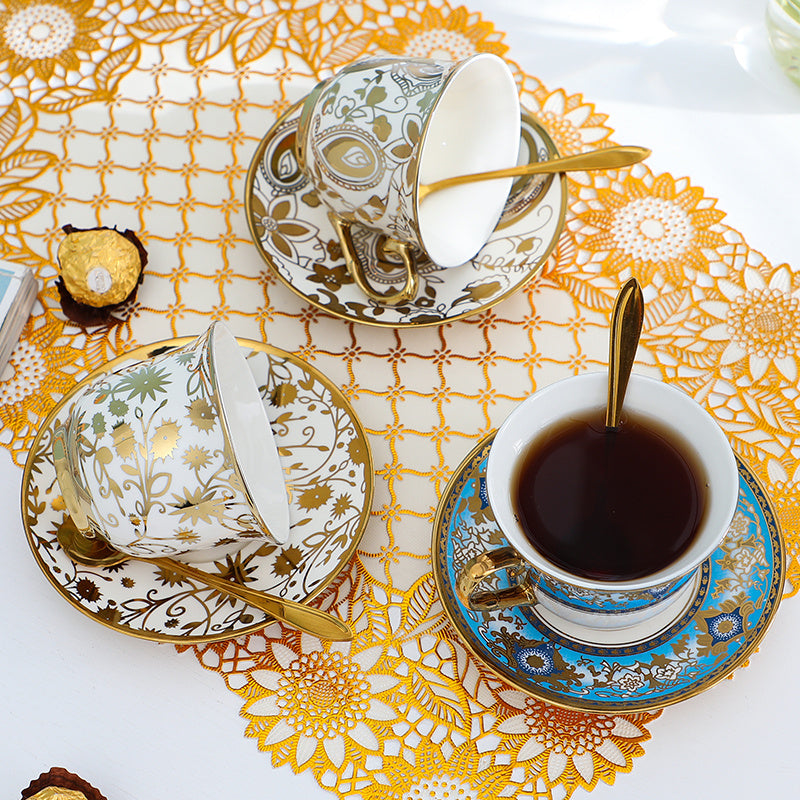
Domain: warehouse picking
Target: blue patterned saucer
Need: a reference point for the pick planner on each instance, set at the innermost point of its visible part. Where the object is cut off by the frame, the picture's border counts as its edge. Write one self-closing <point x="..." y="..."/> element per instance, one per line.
<point x="714" y="628"/>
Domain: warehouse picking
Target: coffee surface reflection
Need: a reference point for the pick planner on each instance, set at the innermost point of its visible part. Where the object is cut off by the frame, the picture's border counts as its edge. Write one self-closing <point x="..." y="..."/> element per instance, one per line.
<point x="611" y="505"/>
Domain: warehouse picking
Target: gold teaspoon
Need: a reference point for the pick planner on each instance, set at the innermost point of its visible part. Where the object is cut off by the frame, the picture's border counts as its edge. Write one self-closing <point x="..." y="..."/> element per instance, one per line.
<point x="605" y="158"/>
<point x="96" y="552"/>
<point x="626" y="327"/>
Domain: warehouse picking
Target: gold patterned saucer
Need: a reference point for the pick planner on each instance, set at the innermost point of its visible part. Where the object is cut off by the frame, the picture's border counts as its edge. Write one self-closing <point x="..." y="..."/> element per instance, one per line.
<point x="719" y="623"/>
<point x="328" y="469"/>
<point x="291" y="229"/>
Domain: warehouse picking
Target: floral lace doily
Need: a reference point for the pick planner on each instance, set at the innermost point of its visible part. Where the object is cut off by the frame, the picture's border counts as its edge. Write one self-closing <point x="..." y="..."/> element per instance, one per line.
<point x="145" y="115"/>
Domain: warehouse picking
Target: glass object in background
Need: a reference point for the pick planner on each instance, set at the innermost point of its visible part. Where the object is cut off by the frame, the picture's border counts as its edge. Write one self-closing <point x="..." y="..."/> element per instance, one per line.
<point x="783" y="27"/>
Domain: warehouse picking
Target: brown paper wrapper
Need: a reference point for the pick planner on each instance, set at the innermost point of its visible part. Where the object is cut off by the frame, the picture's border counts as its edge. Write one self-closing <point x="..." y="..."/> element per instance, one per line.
<point x="58" y="784"/>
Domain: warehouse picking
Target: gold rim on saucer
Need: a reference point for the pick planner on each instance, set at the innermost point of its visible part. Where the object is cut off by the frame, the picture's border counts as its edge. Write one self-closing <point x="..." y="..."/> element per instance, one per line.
<point x="329" y="480"/>
<point x="291" y="230"/>
<point x="642" y="668"/>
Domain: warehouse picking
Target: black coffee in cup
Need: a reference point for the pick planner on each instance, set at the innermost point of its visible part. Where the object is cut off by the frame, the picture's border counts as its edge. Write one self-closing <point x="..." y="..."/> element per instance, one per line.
<point x="609" y="505"/>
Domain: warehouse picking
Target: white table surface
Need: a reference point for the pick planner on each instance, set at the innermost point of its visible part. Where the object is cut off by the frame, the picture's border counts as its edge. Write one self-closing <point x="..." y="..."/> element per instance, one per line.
<point x="694" y="81"/>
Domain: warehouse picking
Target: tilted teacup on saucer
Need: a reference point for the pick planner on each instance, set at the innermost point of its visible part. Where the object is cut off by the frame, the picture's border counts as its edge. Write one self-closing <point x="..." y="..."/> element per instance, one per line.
<point x="292" y="232"/>
<point x="371" y="135"/>
<point x="174" y="455"/>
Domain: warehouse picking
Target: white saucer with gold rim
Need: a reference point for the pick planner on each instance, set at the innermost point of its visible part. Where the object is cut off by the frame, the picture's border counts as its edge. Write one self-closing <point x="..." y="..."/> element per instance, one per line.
<point x="327" y="462"/>
<point x="290" y="227"/>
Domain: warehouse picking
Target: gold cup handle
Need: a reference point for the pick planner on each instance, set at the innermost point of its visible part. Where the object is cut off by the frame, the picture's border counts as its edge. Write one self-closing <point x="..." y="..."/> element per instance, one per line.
<point x="70" y="492"/>
<point x="356" y="268"/>
<point x="477" y="569"/>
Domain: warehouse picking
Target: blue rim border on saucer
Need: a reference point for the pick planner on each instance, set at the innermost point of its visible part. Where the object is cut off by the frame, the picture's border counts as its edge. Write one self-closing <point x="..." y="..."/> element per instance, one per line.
<point x="732" y="603"/>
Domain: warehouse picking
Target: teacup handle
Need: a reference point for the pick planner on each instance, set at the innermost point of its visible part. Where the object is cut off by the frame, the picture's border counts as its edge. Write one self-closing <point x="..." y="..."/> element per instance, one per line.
<point x="66" y="481"/>
<point x="483" y="566"/>
<point x="356" y="269"/>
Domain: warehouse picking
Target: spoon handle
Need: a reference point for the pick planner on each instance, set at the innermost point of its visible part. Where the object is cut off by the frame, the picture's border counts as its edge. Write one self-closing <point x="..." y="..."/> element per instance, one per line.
<point x="604" y="158"/>
<point x="626" y="327"/>
<point x="305" y="618"/>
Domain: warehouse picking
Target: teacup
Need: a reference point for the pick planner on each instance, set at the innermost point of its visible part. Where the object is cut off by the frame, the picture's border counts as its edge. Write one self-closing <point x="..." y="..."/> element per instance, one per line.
<point x="174" y="455"/>
<point x="371" y="134"/>
<point x="563" y="579"/>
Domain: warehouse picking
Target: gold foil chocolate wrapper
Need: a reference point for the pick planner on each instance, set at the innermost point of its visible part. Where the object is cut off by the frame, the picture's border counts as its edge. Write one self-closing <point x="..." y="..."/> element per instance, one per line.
<point x="57" y="793"/>
<point x="99" y="267"/>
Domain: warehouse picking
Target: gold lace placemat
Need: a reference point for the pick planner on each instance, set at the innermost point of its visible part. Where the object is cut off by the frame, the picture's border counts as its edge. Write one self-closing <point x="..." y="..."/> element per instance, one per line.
<point x="144" y="115"/>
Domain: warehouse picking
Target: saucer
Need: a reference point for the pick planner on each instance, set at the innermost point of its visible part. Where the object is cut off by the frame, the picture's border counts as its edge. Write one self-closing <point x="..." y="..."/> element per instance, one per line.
<point x="291" y="230"/>
<point x="327" y="465"/>
<point x="712" y="629"/>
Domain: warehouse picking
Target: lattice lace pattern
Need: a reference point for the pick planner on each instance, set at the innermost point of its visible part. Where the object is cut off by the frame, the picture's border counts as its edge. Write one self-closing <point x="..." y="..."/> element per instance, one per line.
<point x="145" y="115"/>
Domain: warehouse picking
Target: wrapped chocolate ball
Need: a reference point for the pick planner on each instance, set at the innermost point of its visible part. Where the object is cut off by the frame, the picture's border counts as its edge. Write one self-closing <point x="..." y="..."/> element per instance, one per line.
<point x="100" y="269"/>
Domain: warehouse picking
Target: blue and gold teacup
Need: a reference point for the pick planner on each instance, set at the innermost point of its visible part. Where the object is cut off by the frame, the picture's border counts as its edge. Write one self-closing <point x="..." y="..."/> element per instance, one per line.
<point x="582" y="596"/>
<point x="373" y="133"/>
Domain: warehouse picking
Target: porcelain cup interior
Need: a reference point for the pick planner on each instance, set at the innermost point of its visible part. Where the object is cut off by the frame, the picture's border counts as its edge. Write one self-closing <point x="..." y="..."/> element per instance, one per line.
<point x="473" y="127"/>
<point x="174" y="455"/>
<point x="593" y="602"/>
<point x="371" y="134"/>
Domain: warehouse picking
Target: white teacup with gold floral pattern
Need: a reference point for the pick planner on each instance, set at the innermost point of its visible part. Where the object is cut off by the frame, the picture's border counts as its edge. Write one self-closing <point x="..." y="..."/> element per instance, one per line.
<point x="371" y="135"/>
<point x="174" y="455"/>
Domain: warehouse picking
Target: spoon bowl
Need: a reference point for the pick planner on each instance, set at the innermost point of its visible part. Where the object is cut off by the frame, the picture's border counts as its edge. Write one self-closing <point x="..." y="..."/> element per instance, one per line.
<point x="626" y="328"/>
